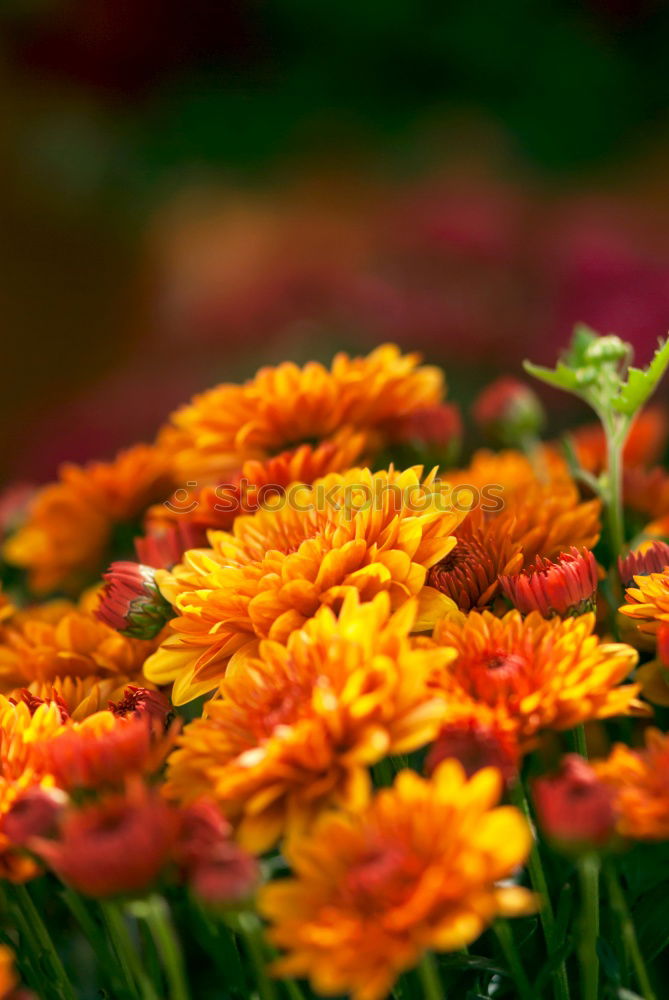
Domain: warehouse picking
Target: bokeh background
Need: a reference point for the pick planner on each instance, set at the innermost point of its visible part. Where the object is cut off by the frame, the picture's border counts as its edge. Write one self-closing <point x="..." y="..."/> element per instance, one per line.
<point x="188" y="190"/>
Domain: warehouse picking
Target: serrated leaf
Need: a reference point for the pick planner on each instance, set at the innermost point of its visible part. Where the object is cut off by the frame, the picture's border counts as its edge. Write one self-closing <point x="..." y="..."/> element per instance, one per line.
<point x="641" y="384"/>
<point x="561" y="377"/>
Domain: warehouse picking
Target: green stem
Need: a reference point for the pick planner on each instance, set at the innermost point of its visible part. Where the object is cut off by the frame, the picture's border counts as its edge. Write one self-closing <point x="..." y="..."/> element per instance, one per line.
<point x="129" y="963"/>
<point x="429" y="977"/>
<point x="588" y="870"/>
<point x="540" y="886"/>
<point x="510" y="951"/>
<point x="619" y="905"/>
<point x="615" y="439"/>
<point x="250" y="928"/>
<point x="155" y="912"/>
<point x="34" y="926"/>
<point x="580" y="741"/>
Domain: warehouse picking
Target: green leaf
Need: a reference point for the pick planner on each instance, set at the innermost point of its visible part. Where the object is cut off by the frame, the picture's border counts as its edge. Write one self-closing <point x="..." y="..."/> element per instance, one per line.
<point x="641" y="384"/>
<point x="562" y="377"/>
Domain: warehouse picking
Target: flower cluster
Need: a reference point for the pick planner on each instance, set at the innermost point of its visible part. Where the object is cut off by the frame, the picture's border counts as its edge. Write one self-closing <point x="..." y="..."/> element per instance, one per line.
<point x="301" y="714"/>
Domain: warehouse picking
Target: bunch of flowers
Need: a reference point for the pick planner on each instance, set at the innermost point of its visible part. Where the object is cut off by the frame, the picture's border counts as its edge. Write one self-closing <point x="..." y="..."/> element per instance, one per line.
<point x="292" y="706"/>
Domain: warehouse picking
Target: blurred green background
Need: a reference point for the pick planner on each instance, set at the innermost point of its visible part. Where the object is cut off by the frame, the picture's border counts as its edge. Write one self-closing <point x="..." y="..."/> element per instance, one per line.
<point x="189" y="190"/>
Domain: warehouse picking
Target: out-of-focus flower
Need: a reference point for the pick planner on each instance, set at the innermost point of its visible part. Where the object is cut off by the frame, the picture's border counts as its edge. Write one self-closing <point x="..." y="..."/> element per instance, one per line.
<point x="434" y="433"/>
<point x="69" y="524"/>
<point x="566" y="586"/>
<point x="166" y="541"/>
<point x="217" y="868"/>
<point x="66" y="647"/>
<point x="647" y="603"/>
<point x="470" y="573"/>
<point x="509" y="412"/>
<point x="14" y="503"/>
<point x="638" y="779"/>
<point x="478" y="737"/>
<point x="370" y="531"/>
<point x="8" y="978"/>
<point x="539" y="673"/>
<point x="33" y="814"/>
<point x="574" y="806"/>
<point x="130" y="601"/>
<point x="117" y="845"/>
<point x="104" y="750"/>
<point x="650" y="557"/>
<point x="287" y="405"/>
<point x="537" y="503"/>
<point x="298" y="728"/>
<point x="416" y="870"/>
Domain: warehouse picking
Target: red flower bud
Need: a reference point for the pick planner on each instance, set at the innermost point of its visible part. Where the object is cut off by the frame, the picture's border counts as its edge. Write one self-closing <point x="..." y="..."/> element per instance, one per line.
<point x="567" y="586"/>
<point x="508" y="412"/>
<point x="131" y="602"/>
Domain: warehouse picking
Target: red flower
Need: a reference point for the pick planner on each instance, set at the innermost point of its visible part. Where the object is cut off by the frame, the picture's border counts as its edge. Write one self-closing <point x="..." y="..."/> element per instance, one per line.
<point x="574" y="807"/>
<point x="104" y="749"/>
<point x="434" y="430"/>
<point x="115" y="846"/>
<point x="33" y="814"/>
<point x="166" y="541"/>
<point x="650" y="557"/>
<point x="216" y="867"/>
<point x="131" y="602"/>
<point x="565" y="587"/>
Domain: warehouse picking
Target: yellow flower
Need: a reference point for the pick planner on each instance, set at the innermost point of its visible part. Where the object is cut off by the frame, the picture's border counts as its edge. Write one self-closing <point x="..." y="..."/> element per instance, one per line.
<point x="284" y="406"/>
<point x="539" y="673"/>
<point x="64" y="540"/>
<point x="639" y="779"/>
<point x="298" y="728"/>
<point x="415" y="871"/>
<point x="371" y="531"/>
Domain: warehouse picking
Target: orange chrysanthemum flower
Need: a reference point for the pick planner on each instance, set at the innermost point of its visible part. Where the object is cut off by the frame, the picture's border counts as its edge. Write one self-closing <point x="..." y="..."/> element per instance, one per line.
<point x="371" y="531"/>
<point x="539" y="673"/>
<point x="216" y="507"/>
<point x="283" y="406"/>
<point x="64" y="540"/>
<point x="65" y="646"/>
<point x="8" y="978"/>
<point x="300" y="726"/>
<point x="566" y="586"/>
<point x="537" y="504"/>
<point x="416" y="870"/>
<point x="470" y="573"/>
<point x="640" y="782"/>
<point x="477" y="736"/>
